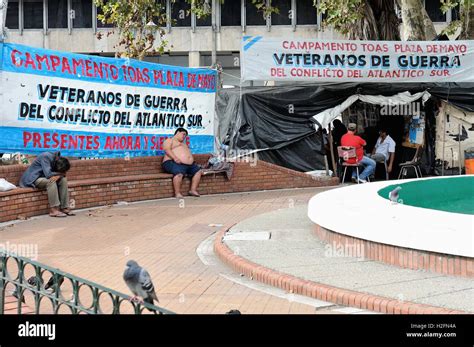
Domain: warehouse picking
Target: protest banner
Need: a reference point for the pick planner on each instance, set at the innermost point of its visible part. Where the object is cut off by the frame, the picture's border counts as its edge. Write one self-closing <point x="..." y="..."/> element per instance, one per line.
<point x="280" y="59"/>
<point x="89" y="106"/>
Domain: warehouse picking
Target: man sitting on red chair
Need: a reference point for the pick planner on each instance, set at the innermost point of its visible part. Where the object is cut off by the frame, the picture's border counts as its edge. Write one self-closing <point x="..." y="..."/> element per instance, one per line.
<point x="352" y="140"/>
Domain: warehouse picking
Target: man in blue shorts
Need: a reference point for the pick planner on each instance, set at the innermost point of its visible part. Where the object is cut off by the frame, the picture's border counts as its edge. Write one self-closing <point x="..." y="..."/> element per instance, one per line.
<point x="179" y="161"/>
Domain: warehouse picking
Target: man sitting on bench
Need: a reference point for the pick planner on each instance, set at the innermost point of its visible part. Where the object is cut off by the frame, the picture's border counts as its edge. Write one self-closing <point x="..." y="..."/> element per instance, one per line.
<point x="179" y="161"/>
<point x="48" y="171"/>
<point x="384" y="150"/>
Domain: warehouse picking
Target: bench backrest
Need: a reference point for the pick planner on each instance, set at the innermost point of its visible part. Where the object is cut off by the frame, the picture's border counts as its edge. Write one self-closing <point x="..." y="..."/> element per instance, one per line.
<point x="101" y="168"/>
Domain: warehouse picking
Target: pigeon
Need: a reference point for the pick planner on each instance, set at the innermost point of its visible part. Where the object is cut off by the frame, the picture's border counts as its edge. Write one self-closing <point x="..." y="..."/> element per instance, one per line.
<point x="50" y="283"/>
<point x="32" y="281"/>
<point x="393" y="195"/>
<point x="139" y="282"/>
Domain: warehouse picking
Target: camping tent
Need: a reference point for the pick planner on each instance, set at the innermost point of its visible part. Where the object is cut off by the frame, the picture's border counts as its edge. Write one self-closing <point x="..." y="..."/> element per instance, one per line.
<point x="281" y="123"/>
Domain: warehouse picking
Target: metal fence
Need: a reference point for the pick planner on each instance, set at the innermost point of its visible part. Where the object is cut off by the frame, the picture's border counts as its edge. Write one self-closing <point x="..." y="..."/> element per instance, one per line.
<point x="41" y="289"/>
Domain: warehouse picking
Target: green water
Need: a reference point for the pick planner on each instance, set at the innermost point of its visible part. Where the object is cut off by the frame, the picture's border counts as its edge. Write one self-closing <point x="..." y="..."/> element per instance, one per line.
<point x="455" y="194"/>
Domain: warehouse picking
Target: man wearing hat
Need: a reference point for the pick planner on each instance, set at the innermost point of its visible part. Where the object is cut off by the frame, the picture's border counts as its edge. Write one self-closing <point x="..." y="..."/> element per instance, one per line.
<point x="352" y="140"/>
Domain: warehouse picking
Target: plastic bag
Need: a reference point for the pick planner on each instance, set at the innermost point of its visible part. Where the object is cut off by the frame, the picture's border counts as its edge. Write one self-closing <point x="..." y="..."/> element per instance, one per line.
<point x="5" y="185"/>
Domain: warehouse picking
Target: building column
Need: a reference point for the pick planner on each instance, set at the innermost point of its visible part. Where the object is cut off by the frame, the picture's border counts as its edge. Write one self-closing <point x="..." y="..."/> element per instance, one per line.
<point x="194" y="59"/>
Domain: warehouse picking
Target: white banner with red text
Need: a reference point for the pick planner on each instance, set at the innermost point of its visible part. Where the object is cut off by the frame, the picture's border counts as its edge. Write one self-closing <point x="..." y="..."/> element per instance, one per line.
<point x="280" y="59"/>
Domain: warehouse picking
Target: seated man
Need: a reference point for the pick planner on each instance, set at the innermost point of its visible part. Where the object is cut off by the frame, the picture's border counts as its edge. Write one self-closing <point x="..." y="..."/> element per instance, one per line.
<point x="352" y="140"/>
<point x="384" y="150"/>
<point x="179" y="161"/>
<point x="48" y="171"/>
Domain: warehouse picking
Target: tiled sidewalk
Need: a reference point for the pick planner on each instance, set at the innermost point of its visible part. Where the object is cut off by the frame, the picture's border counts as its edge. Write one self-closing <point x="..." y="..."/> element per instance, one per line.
<point x="162" y="236"/>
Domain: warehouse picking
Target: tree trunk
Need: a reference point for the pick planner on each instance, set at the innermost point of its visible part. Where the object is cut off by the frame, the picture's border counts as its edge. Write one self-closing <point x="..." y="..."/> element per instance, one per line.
<point x="413" y="20"/>
<point x="366" y="28"/>
<point x="388" y="23"/>
<point x="379" y="22"/>
<point x="430" y="31"/>
<point x="467" y="32"/>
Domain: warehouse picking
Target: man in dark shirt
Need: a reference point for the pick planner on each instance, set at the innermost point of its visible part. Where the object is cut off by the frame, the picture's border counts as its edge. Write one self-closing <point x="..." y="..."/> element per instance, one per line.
<point x="48" y="171"/>
<point x="352" y="140"/>
<point x="338" y="131"/>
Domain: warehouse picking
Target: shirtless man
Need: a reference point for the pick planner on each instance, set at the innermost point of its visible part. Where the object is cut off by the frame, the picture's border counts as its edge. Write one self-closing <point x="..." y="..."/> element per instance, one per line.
<point x="179" y="161"/>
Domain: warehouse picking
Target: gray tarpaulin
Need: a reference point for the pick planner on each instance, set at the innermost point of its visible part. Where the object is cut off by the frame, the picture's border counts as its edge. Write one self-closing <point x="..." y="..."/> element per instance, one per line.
<point x="278" y="122"/>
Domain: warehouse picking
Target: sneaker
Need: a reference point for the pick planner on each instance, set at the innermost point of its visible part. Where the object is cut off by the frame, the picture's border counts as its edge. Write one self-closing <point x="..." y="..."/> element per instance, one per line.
<point x="362" y="181"/>
<point x="354" y="180"/>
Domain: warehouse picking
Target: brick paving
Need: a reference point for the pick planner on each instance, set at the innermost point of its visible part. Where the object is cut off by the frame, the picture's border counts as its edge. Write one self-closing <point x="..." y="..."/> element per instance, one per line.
<point x="162" y="236"/>
<point x="103" y="182"/>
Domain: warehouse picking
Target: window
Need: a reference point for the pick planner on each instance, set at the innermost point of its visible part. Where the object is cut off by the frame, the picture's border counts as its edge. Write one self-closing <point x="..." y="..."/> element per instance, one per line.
<point x="161" y="9"/>
<point x="230" y="13"/>
<point x="284" y="17"/>
<point x="204" y="21"/>
<point x="253" y="17"/>
<point x="226" y="60"/>
<point x="99" y="22"/>
<point x="180" y="14"/>
<point x="12" y="15"/>
<point x="82" y="13"/>
<point x="434" y="11"/>
<point x="176" y="60"/>
<point x="33" y="14"/>
<point x="306" y="13"/>
<point x="57" y="14"/>
<point x="230" y="63"/>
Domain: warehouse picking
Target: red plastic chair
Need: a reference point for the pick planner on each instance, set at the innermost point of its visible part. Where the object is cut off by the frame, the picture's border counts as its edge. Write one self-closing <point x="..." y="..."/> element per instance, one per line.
<point x="345" y="153"/>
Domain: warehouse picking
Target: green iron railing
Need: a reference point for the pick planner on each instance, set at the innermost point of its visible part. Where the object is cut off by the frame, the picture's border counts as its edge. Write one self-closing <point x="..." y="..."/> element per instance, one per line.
<point x="46" y="290"/>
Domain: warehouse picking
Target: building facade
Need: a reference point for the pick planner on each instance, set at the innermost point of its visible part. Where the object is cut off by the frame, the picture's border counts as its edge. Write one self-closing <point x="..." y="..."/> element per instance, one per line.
<point x="72" y="25"/>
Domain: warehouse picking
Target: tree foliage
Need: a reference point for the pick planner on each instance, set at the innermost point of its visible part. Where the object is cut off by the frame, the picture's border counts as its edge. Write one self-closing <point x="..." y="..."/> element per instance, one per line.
<point x="342" y="15"/>
<point x="362" y="19"/>
<point x="378" y="20"/>
<point x="265" y="7"/>
<point x="466" y="21"/>
<point x="140" y="23"/>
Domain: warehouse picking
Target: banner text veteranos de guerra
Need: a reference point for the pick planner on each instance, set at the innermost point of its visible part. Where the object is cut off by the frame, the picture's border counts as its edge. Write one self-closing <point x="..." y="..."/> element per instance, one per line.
<point x="92" y="106"/>
<point x="279" y="59"/>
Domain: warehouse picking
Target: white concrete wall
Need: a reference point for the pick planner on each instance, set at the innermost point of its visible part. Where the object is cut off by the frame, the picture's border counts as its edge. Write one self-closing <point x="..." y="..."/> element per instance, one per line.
<point x="80" y="40"/>
<point x="181" y="40"/>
